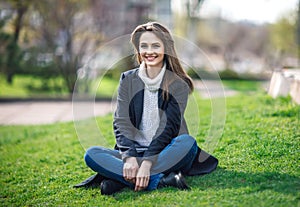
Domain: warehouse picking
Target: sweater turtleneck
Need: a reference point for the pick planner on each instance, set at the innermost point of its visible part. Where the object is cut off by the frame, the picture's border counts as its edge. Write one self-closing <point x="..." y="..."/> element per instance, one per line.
<point x="152" y="84"/>
<point x="150" y="118"/>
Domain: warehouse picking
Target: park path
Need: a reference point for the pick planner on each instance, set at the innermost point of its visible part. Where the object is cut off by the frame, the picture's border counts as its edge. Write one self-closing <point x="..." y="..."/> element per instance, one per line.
<point x="47" y="112"/>
<point x="44" y="112"/>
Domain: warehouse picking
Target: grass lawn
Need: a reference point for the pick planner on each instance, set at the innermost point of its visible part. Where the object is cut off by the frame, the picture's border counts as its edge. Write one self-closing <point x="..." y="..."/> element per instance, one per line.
<point x="258" y="155"/>
<point x="243" y="85"/>
<point x="26" y="86"/>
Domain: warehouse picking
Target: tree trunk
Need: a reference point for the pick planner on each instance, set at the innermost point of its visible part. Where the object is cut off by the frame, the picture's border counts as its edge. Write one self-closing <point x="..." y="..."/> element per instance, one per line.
<point x="298" y="33"/>
<point x="12" y="60"/>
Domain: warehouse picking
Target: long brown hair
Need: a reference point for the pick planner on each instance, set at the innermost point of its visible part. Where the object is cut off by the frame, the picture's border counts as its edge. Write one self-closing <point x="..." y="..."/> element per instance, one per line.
<point x="170" y="56"/>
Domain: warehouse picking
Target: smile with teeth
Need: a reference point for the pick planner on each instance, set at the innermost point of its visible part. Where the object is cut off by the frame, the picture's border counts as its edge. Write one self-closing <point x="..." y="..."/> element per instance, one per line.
<point x="150" y="58"/>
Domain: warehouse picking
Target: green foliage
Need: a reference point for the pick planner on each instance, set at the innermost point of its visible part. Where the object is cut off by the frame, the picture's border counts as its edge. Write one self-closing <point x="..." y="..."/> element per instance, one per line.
<point x="107" y="87"/>
<point x="258" y="162"/>
<point x="283" y="34"/>
<point x="39" y="37"/>
<point x="227" y="74"/>
<point x="12" y="53"/>
<point x="28" y="86"/>
<point x="201" y="73"/>
<point x="243" y="85"/>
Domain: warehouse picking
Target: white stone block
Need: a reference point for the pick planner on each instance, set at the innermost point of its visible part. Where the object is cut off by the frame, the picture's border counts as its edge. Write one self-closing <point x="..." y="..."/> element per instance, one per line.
<point x="279" y="85"/>
<point x="295" y="90"/>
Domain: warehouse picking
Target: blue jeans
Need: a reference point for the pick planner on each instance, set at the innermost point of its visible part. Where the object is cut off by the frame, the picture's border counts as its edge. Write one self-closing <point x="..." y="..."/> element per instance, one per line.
<point x="178" y="155"/>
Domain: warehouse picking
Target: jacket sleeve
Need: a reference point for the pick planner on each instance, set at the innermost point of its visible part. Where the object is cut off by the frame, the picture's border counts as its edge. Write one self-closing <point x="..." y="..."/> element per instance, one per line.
<point x="123" y="128"/>
<point x="170" y="121"/>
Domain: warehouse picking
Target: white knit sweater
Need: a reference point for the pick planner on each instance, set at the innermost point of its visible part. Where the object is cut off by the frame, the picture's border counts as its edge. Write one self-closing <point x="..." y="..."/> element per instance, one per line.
<point x="150" y="118"/>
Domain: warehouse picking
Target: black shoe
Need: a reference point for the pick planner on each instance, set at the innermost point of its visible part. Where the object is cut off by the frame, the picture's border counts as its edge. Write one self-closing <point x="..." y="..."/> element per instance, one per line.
<point x="109" y="187"/>
<point x="175" y="180"/>
<point x="92" y="181"/>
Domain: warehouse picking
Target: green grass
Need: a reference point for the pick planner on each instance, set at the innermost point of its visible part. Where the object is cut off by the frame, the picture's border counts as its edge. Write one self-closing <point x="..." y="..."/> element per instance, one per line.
<point x="243" y="85"/>
<point x="106" y="87"/>
<point x="258" y="155"/>
<point x="27" y="86"/>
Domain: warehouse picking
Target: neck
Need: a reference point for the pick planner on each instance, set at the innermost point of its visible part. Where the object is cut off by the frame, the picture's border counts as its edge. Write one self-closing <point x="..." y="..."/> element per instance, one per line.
<point x="152" y="72"/>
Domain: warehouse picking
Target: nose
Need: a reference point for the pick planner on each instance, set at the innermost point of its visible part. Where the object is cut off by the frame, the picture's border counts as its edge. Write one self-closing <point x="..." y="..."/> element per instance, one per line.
<point x="149" y="50"/>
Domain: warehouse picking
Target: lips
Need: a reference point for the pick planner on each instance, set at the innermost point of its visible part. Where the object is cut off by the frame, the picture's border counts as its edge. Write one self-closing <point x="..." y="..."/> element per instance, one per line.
<point x="150" y="58"/>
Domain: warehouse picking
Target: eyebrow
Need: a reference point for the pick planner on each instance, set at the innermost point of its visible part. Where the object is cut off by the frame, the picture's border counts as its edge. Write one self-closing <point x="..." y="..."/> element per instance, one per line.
<point x="150" y="43"/>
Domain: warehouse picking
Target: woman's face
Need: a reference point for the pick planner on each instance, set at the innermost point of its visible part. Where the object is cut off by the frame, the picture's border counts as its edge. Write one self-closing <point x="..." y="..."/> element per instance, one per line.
<point x="152" y="50"/>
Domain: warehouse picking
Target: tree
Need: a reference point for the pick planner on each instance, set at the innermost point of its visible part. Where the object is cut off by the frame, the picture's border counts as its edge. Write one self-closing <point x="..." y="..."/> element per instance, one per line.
<point x="12" y="50"/>
<point x="298" y="32"/>
<point x="4" y="41"/>
<point x="65" y="31"/>
<point x="283" y="35"/>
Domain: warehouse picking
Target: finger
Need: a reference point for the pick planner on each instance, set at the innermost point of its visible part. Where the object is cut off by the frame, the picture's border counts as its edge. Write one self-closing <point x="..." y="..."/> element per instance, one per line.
<point x="125" y="172"/>
<point x="142" y="183"/>
<point x="145" y="182"/>
<point x="131" y="180"/>
<point x="137" y="184"/>
<point x="138" y="188"/>
<point x="129" y="174"/>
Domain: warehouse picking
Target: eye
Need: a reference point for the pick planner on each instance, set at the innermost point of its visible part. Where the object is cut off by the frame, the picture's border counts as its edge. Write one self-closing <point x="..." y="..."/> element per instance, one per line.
<point x="143" y="46"/>
<point x="156" y="46"/>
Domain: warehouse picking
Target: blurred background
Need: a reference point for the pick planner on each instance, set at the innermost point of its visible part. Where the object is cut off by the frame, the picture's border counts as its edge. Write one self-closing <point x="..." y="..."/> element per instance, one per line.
<point x="45" y="45"/>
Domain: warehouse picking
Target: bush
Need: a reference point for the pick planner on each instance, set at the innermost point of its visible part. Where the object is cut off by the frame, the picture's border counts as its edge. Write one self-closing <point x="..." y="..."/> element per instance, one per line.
<point x="201" y="73"/>
<point x="124" y="64"/>
<point x="229" y="74"/>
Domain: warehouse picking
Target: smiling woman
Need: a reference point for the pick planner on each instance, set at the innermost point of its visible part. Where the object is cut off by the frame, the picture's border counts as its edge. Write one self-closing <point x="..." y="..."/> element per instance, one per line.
<point x="153" y="146"/>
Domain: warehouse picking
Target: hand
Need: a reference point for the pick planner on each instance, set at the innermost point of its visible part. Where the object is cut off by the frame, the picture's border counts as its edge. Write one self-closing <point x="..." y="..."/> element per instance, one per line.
<point x="130" y="169"/>
<point x="143" y="176"/>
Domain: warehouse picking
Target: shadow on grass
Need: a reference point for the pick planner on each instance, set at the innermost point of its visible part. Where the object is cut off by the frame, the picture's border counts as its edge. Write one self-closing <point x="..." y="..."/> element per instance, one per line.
<point x="290" y="112"/>
<point x="227" y="179"/>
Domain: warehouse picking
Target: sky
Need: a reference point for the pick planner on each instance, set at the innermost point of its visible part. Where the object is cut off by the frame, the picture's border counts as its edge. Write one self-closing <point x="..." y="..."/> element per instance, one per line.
<point x="257" y="11"/>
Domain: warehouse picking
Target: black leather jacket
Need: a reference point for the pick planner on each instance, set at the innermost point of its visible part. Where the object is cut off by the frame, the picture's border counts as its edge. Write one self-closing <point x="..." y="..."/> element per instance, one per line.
<point x="129" y="112"/>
